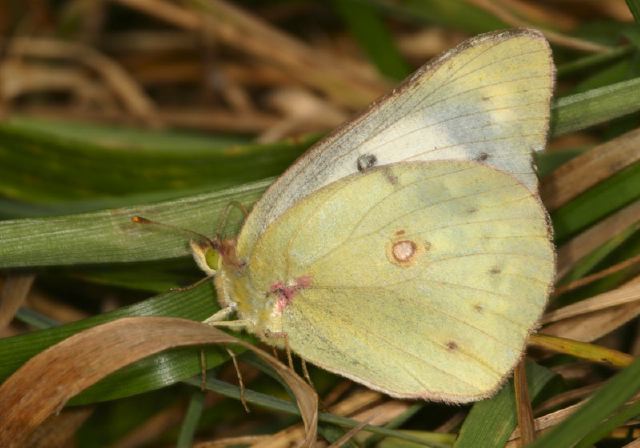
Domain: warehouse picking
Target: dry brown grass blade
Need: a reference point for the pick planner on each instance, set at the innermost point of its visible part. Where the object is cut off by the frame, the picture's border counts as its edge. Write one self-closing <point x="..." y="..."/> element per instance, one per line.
<point x="13" y="294"/>
<point x="289" y="436"/>
<point x="350" y="434"/>
<point x="550" y="420"/>
<point x="346" y="83"/>
<point x="53" y="307"/>
<point x="615" y="9"/>
<point x="592" y="238"/>
<point x="231" y="442"/>
<point x="619" y="296"/>
<point x="20" y="78"/>
<point x="507" y="16"/>
<point x="46" y="382"/>
<point x="544" y="422"/>
<point x="589" y="327"/>
<point x="124" y="87"/>
<point x="523" y="405"/>
<point x="569" y="397"/>
<point x="597" y="276"/>
<point x="59" y="430"/>
<point x="588" y="169"/>
<point x="208" y="119"/>
<point x="634" y="444"/>
<point x="538" y="12"/>
<point x="586" y="324"/>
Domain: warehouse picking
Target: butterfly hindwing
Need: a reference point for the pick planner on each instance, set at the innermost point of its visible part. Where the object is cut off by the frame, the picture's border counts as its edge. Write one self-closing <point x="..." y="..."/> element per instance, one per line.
<point x="418" y="279"/>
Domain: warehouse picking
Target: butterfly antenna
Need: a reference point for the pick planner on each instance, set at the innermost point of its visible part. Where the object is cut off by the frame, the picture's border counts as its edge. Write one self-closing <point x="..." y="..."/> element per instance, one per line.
<point x="225" y="215"/>
<point x="192" y="285"/>
<point x="141" y="220"/>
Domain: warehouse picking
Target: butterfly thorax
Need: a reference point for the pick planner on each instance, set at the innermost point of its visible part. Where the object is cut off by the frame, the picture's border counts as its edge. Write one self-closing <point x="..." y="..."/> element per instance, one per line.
<point x="260" y="308"/>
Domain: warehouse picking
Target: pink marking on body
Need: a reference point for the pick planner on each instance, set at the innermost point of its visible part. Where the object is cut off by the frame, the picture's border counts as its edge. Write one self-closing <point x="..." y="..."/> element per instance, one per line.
<point x="304" y="281"/>
<point x="286" y="292"/>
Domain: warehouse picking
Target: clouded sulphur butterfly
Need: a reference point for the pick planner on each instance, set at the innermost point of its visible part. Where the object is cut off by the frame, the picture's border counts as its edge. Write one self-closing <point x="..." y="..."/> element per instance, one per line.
<point x="409" y="251"/>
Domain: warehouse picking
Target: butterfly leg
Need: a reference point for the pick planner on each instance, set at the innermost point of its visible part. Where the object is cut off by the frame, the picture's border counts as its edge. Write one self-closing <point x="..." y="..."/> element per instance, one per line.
<point x="218" y="319"/>
<point x="243" y="400"/>
<point x="305" y="372"/>
<point x="203" y="371"/>
<point x="220" y="316"/>
<point x="285" y="337"/>
<point x="232" y="324"/>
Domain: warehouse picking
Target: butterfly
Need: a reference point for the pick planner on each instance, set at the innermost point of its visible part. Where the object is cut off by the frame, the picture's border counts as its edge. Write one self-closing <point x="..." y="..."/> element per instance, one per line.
<point x="409" y="250"/>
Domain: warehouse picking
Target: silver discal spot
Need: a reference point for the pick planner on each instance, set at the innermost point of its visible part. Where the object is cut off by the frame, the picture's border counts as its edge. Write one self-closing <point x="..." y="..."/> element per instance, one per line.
<point x="366" y="161"/>
<point x="403" y="251"/>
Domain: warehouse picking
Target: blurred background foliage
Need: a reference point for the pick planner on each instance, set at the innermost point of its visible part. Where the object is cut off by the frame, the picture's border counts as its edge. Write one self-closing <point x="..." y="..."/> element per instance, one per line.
<point x="172" y="109"/>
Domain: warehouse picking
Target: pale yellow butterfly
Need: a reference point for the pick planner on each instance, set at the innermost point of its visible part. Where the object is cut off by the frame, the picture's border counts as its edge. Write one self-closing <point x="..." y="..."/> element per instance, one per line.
<point x="409" y="251"/>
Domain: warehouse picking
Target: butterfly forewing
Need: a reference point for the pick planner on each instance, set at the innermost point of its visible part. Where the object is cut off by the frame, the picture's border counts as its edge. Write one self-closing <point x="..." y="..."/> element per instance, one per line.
<point x="487" y="100"/>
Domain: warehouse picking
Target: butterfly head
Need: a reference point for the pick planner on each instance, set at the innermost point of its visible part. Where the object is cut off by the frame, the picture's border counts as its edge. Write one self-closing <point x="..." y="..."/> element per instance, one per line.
<point x="210" y="253"/>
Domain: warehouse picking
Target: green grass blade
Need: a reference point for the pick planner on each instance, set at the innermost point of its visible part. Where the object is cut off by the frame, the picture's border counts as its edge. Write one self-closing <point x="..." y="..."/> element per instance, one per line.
<point x="491" y="422"/>
<point x="277" y="404"/>
<point x="634" y="7"/>
<point x="458" y="14"/>
<point x="191" y="420"/>
<point x="595" y="106"/>
<point x="110" y="236"/>
<point x="587" y="62"/>
<point x="89" y="165"/>
<point x="604" y="429"/>
<point x="368" y="28"/>
<point x="606" y="197"/>
<point x="612" y="395"/>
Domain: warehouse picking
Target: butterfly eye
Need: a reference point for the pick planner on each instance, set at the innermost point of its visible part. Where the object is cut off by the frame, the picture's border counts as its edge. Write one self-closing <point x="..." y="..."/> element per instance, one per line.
<point x="205" y="256"/>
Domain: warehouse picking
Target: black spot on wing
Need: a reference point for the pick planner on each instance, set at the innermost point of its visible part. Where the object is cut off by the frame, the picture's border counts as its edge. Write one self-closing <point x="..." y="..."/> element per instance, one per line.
<point x="365" y="162"/>
<point x="481" y="157"/>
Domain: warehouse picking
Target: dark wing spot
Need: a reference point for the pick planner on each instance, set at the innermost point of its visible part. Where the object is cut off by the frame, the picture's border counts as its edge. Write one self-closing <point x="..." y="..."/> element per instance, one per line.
<point x="400" y="232"/>
<point x="451" y="345"/>
<point x="495" y="270"/>
<point x="471" y="210"/>
<point x="478" y="308"/>
<point x="391" y="178"/>
<point x="482" y="157"/>
<point x="366" y="161"/>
